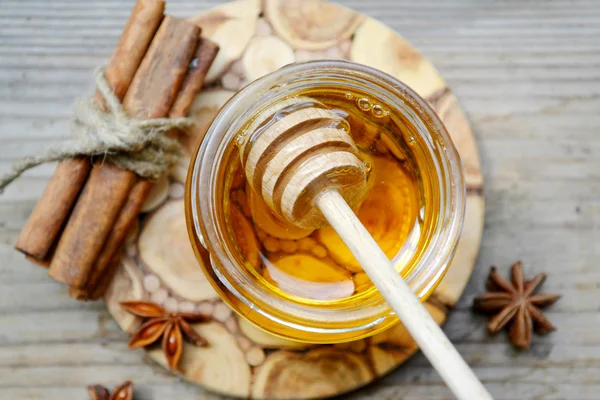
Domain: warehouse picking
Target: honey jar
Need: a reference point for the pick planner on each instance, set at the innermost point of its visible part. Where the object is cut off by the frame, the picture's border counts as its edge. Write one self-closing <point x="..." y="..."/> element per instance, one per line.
<point x="304" y="284"/>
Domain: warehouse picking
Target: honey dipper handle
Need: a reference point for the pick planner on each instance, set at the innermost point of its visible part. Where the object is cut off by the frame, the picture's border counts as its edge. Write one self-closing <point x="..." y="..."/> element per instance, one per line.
<point x="425" y="331"/>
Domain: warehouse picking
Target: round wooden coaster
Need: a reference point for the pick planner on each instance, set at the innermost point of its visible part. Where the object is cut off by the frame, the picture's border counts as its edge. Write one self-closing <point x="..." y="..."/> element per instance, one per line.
<point x="257" y="37"/>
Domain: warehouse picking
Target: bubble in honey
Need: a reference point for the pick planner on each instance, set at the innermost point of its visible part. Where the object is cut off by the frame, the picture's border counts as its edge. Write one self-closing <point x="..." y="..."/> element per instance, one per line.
<point x="364" y="104"/>
<point x="368" y="167"/>
<point x="345" y="126"/>
<point x="239" y="140"/>
<point x="349" y="96"/>
<point x="377" y="111"/>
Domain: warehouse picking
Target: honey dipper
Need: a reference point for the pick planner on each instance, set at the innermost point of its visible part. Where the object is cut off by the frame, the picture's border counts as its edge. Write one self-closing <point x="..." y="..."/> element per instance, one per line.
<point x="298" y="155"/>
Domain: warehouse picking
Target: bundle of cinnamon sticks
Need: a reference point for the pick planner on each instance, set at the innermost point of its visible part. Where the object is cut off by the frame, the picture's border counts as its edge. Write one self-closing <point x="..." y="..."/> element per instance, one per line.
<point x="78" y="226"/>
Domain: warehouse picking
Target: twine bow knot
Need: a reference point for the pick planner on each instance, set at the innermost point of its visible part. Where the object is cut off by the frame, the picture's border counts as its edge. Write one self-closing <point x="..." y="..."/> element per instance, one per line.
<point x="136" y="145"/>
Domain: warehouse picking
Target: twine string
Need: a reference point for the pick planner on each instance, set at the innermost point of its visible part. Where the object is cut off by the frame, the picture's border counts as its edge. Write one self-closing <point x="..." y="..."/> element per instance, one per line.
<point x="139" y="146"/>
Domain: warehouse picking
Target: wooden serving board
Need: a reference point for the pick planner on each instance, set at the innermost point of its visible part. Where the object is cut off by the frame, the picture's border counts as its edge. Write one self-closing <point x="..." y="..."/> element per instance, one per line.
<point x="258" y="37"/>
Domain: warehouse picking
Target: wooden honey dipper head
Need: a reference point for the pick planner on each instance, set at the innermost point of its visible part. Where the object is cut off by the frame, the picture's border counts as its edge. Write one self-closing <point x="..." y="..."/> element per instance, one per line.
<point x="296" y="150"/>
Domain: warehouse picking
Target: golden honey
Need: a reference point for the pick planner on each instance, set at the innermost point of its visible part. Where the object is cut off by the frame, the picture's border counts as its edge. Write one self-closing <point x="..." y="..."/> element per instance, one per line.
<point x="304" y="265"/>
<point x="305" y="284"/>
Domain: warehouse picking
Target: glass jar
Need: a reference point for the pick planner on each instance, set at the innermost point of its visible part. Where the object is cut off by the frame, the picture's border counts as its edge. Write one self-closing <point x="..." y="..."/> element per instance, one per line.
<point x="422" y="264"/>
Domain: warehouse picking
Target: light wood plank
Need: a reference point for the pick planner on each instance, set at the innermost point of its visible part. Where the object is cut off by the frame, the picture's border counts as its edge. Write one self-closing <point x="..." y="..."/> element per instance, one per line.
<point x="527" y="73"/>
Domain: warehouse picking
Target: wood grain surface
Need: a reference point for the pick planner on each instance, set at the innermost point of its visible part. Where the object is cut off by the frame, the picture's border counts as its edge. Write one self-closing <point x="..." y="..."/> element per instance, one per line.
<point x="528" y="75"/>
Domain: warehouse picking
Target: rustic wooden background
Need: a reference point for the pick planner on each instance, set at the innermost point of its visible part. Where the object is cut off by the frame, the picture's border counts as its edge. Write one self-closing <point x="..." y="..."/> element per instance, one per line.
<point x="526" y="72"/>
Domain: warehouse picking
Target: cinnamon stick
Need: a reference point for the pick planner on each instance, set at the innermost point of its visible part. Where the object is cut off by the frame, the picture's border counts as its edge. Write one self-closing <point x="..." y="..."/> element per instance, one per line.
<point x="150" y="95"/>
<point x="137" y="35"/>
<point x="115" y="239"/>
<point x="48" y="216"/>
<point x="192" y="83"/>
<point x="87" y="227"/>
<point x="106" y="278"/>
<point x="194" y="80"/>
<point x="51" y="212"/>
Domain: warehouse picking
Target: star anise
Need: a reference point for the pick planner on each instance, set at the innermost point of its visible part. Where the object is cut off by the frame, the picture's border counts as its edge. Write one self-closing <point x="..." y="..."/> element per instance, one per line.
<point x="516" y="305"/>
<point x="122" y="392"/>
<point x="172" y="326"/>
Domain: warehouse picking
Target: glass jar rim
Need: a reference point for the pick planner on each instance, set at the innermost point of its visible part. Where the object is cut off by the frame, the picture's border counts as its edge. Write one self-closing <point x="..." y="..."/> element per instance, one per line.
<point x="203" y="171"/>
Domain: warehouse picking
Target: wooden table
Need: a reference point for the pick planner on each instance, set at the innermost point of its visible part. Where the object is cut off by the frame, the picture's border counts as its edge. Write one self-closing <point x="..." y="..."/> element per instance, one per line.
<point x="528" y="74"/>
